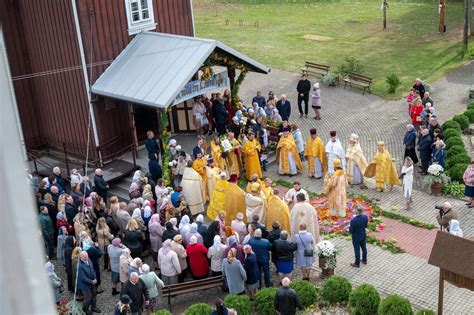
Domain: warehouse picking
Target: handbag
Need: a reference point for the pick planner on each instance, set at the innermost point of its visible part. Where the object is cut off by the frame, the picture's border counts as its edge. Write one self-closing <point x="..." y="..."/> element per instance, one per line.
<point x="306" y="252"/>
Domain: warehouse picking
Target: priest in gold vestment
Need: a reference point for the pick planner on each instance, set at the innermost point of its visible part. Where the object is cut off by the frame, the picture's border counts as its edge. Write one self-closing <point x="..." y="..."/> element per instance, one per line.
<point x="355" y="162"/>
<point x="255" y="203"/>
<point x="335" y="188"/>
<point x="289" y="162"/>
<point x="218" y="197"/>
<point x="235" y="200"/>
<point x="234" y="156"/>
<point x="216" y="153"/>
<point x="277" y="210"/>
<point x="301" y="212"/>
<point x="212" y="175"/>
<point x="383" y="169"/>
<point x="252" y="160"/>
<point x="193" y="189"/>
<point x="314" y="153"/>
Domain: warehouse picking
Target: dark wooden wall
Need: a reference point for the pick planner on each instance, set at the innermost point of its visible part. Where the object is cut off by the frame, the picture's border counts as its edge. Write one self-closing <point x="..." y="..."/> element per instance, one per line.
<point x="40" y="36"/>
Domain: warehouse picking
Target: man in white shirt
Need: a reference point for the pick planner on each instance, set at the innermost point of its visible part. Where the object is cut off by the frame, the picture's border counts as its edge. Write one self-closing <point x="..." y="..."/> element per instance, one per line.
<point x="334" y="150"/>
<point x="290" y="197"/>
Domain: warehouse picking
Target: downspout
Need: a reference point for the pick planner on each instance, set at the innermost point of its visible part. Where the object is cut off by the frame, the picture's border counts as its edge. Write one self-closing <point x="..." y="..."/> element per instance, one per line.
<point x="192" y="15"/>
<point x="86" y="77"/>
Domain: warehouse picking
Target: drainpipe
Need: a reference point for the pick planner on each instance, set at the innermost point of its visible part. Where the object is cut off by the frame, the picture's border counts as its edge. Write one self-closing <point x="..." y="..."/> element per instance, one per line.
<point x="192" y="15"/>
<point x="86" y="77"/>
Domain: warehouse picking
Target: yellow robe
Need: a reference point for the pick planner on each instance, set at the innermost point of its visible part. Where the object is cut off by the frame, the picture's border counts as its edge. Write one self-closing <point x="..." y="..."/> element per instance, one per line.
<point x="314" y="148"/>
<point x="252" y="160"/>
<point x="355" y="156"/>
<point x="267" y="191"/>
<point x="278" y="210"/>
<point x="285" y="146"/>
<point x="234" y="202"/>
<point x="218" y="198"/>
<point x="216" y="153"/>
<point x="335" y="189"/>
<point x="383" y="169"/>
<point x="212" y="175"/>
<point x="234" y="158"/>
<point x="198" y="166"/>
<point x="248" y="188"/>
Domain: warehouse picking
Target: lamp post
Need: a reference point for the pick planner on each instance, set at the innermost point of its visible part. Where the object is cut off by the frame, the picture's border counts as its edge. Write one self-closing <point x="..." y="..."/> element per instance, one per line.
<point x="442" y="15"/>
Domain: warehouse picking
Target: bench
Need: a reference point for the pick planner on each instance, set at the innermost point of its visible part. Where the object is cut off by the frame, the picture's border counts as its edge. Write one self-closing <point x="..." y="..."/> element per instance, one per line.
<point x="315" y="68"/>
<point x="190" y="287"/>
<point x="358" y="79"/>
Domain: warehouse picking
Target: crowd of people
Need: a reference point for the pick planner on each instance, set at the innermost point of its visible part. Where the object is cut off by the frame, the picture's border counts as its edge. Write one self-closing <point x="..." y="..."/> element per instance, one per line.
<point x="246" y="230"/>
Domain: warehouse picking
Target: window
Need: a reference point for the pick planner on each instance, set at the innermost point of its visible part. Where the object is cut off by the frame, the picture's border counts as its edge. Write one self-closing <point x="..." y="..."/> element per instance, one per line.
<point x="140" y="16"/>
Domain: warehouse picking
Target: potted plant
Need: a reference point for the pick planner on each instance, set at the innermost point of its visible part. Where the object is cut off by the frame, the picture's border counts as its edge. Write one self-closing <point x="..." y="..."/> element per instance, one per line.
<point x="436" y="179"/>
<point x="327" y="253"/>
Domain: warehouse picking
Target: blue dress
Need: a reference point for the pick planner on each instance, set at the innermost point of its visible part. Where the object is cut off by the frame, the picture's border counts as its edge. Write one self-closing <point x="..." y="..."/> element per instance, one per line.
<point x="304" y="240"/>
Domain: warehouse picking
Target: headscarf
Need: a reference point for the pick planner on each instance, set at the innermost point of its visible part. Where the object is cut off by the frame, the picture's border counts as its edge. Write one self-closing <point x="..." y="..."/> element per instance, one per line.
<point x="193" y="240"/>
<point x="184" y="225"/>
<point x="60" y="216"/>
<point x="193" y="228"/>
<point x="93" y="195"/>
<point x="136" y="176"/>
<point x="147" y="192"/>
<point x="200" y="218"/>
<point x="49" y="267"/>
<point x="137" y="213"/>
<point x="89" y="201"/>
<point x="166" y="248"/>
<point x="174" y="221"/>
<point x="116" y="242"/>
<point x="155" y="220"/>
<point x="231" y="255"/>
<point x="145" y="269"/>
<point x="455" y="228"/>
<point x="217" y="242"/>
<point x="133" y="187"/>
<point x="147" y="212"/>
<point x="232" y="240"/>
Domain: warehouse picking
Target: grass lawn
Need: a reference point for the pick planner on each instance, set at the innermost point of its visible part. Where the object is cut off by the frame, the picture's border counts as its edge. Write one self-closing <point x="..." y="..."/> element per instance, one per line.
<point x="410" y="47"/>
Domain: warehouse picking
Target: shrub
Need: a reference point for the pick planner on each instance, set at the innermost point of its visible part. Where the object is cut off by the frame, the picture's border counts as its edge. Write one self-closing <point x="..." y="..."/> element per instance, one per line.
<point x="264" y="301"/>
<point x="329" y="79"/>
<point x="395" y="305"/>
<point x="456" y="149"/>
<point x="470" y="114"/>
<point x="336" y="289"/>
<point x="198" y="309"/>
<point x="451" y="132"/>
<point x="241" y="303"/>
<point x="454" y="189"/>
<point x="365" y="299"/>
<point x="457" y="171"/>
<point x="162" y="312"/>
<point x="451" y="124"/>
<point x="462" y="120"/>
<point x="457" y="159"/>
<point x="350" y="65"/>
<point x="308" y="293"/>
<point x="470" y="106"/>
<point x="393" y="82"/>
<point x="425" y="312"/>
<point x="453" y="141"/>
<point x="427" y="86"/>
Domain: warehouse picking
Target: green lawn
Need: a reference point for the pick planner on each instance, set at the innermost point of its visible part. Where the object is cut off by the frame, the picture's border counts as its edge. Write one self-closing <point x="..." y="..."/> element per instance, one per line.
<point x="411" y="46"/>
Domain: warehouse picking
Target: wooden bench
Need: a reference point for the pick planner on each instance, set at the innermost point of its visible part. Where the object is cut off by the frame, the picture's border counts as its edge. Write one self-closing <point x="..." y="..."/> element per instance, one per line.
<point x="358" y="79"/>
<point x="315" y="68"/>
<point x="190" y="287"/>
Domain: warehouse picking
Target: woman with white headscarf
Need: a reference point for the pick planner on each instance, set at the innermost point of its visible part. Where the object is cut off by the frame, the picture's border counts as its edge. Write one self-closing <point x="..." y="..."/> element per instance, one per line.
<point x="197" y="254"/>
<point x="169" y="263"/>
<point x="55" y="281"/>
<point x="136" y="176"/>
<point x="156" y="234"/>
<point x="124" y="265"/>
<point x="193" y="230"/>
<point x="184" y="225"/>
<point x="455" y="228"/>
<point x="153" y="284"/>
<point x="216" y="255"/>
<point x="137" y="215"/>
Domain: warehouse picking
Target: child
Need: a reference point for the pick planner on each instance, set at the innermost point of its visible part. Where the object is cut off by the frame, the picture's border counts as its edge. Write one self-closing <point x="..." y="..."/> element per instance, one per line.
<point x="263" y="159"/>
<point x="409" y="100"/>
<point x="63" y="234"/>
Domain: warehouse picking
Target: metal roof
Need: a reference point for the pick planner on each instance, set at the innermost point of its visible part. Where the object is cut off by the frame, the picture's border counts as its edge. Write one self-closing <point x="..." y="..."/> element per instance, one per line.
<point x="154" y="67"/>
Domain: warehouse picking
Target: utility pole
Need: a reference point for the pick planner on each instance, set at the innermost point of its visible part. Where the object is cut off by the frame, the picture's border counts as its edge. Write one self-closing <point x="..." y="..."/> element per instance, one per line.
<point x="466" y="24"/>
<point x="442" y="16"/>
<point x="384" y="8"/>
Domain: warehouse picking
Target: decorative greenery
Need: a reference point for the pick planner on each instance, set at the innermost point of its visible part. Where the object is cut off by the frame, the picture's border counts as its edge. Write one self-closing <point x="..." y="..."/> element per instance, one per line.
<point x="462" y="120"/>
<point x="470" y="106"/>
<point x="457" y="171"/>
<point x="329" y="79"/>
<point x="451" y="132"/>
<point x="454" y="189"/>
<point x="451" y="124"/>
<point x="390" y="245"/>
<point x="435" y="175"/>
<point x="241" y="303"/>
<point x="71" y="307"/>
<point x="458" y="158"/>
<point x="364" y="300"/>
<point x="456" y="149"/>
<point x="395" y="305"/>
<point x="198" y="309"/>
<point x="308" y="293"/>
<point x="162" y="312"/>
<point x="264" y="301"/>
<point x="408" y="220"/>
<point x="236" y="101"/>
<point x="453" y="141"/>
<point x="350" y="64"/>
<point x="470" y="114"/>
<point x="336" y="290"/>
<point x="393" y="82"/>
<point x="165" y="138"/>
<point x="425" y="312"/>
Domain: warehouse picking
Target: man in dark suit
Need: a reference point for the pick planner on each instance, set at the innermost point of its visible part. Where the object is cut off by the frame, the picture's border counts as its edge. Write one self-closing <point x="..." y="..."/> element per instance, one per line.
<point x="221" y="117"/>
<point x="86" y="281"/>
<point x="152" y="146"/>
<point x="359" y="236"/>
<point x="100" y="184"/>
<point x="303" y="88"/>
<point x="284" y="108"/>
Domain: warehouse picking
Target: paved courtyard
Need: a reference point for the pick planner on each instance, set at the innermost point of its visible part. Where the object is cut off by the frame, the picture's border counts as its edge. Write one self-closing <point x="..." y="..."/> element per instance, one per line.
<point x="373" y="119"/>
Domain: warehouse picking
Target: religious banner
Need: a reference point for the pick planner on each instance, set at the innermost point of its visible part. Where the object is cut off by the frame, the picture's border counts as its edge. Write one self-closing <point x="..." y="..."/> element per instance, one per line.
<point x="199" y="87"/>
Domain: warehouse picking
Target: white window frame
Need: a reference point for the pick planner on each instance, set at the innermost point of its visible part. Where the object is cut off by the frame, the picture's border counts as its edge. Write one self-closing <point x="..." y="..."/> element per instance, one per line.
<point x="148" y="24"/>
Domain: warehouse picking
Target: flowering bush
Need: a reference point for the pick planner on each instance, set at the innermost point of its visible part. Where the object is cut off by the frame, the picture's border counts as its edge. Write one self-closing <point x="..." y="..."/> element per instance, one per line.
<point x="325" y="249"/>
<point x="436" y="175"/>
<point x="435" y="169"/>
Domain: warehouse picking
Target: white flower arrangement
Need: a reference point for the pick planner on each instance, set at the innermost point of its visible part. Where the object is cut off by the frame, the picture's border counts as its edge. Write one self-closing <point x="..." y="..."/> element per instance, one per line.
<point x="435" y="169"/>
<point x="172" y="163"/>
<point x="178" y="148"/>
<point x="326" y="249"/>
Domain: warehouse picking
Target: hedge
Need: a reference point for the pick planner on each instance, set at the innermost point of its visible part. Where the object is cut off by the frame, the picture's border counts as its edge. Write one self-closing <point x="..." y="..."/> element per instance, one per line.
<point x="457" y="171"/>
<point x="265" y="301"/>
<point x="162" y="312"/>
<point x="308" y="293"/>
<point x="451" y="132"/>
<point x="453" y="141"/>
<point x="470" y="106"/>
<point x="462" y="120"/>
<point x="451" y="124"/>
<point x="395" y="305"/>
<point x="241" y="303"/>
<point x="336" y="290"/>
<point x="425" y="312"/>
<point x="364" y="300"/>
<point x="457" y="159"/>
<point x="198" y="309"/>
<point x="456" y="149"/>
<point x="470" y="114"/>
